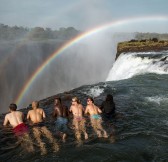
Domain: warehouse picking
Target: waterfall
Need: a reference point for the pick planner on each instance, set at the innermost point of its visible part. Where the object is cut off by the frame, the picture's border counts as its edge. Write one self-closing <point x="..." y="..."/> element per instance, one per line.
<point x="128" y="65"/>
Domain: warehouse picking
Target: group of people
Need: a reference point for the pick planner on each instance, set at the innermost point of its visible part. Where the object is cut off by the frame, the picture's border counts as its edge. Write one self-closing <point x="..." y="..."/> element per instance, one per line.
<point x="62" y="114"/>
<point x="36" y="118"/>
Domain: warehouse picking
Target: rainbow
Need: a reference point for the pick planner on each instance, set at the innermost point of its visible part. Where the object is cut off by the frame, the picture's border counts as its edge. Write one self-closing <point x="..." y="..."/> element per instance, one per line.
<point x="77" y="39"/>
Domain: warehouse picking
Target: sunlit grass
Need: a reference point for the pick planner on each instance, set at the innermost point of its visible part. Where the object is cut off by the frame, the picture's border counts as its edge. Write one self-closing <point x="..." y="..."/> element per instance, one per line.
<point x="141" y="45"/>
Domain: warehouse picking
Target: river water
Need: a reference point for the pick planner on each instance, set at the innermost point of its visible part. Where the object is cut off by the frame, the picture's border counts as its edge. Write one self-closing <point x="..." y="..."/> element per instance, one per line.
<point x="137" y="133"/>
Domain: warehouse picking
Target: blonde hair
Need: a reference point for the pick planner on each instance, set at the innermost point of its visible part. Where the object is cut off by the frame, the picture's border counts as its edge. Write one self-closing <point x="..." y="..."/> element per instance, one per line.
<point x="76" y="99"/>
<point x="36" y="103"/>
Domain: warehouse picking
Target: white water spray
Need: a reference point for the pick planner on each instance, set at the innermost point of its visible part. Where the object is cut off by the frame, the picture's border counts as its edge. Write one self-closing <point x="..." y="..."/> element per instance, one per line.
<point x="131" y="64"/>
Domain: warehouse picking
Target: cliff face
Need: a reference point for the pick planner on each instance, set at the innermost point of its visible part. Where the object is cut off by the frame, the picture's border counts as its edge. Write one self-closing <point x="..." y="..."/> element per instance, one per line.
<point x="141" y="46"/>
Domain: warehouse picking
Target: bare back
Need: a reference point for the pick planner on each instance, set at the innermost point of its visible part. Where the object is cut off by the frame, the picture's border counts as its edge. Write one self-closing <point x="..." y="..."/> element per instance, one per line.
<point x="14" y="118"/>
<point x="36" y="115"/>
<point x="92" y="109"/>
<point x="77" y="110"/>
<point x="60" y="111"/>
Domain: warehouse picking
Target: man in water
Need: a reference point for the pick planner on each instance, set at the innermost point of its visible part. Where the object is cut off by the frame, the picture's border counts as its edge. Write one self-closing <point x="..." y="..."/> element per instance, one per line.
<point x="15" y="118"/>
<point x="95" y="118"/>
<point x="37" y="116"/>
<point x="61" y="113"/>
<point x="78" y="120"/>
<point x="108" y="107"/>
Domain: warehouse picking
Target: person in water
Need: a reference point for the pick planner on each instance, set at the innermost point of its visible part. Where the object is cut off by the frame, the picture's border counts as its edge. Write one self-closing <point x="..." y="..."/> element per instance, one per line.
<point x="95" y="118"/>
<point x="78" y="119"/>
<point x="61" y="114"/>
<point x="37" y="116"/>
<point x="108" y="107"/>
<point x="20" y="129"/>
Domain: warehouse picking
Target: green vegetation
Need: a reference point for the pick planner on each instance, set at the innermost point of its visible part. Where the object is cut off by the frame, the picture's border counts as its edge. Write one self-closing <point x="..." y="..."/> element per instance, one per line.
<point x="142" y="46"/>
<point x="37" y="33"/>
<point x="142" y="36"/>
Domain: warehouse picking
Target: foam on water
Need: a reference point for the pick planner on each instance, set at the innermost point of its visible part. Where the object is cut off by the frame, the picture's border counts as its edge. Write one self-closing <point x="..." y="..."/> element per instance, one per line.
<point x="157" y="99"/>
<point x="95" y="91"/>
<point x="131" y="64"/>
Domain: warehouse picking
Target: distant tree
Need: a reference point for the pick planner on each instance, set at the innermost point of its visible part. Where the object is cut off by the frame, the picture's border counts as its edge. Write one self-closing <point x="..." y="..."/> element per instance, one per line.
<point x="37" y="32"/>
<point x="49" y="33"/>
<point x="143" y="40"/>
<point x="150" y="36"/>
<point x="155" y="40"/>
<point x="133" y="40"/>
<point x="15" y="32"/>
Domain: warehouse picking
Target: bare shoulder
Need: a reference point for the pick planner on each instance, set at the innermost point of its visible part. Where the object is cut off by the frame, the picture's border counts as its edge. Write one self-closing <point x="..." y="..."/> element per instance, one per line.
<point x="71" y="107"/>
<point x="88" y="106"/>
<point x="19" y="112"/>
<point x="56" y="108"/>
<point x="40" y="109"/>
<point x="30" y="111"/>
<point x="97" y="107"/>
<point x="7" y="115"/>
<point x="80" y="105"/>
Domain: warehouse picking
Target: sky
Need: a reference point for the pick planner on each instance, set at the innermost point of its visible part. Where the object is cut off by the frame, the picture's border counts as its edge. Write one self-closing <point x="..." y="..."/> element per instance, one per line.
<point x="87" y="15"/>
<point x="80" y="14"/>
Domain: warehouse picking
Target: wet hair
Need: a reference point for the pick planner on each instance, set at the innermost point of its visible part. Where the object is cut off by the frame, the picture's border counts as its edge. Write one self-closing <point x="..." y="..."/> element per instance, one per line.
<point x="13" y="107"/>
<point x="76" y="99"/>
<point x="109" y="97"/>
<point x="58" y="98"/>
<point x="37" y="103"/>
<point x="91" y="99"/>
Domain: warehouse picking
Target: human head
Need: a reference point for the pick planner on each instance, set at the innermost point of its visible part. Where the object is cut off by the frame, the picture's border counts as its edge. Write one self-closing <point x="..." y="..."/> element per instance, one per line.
<point x="13" y="107"/>
<point x="109" y="97"/>
<point x="57" y="99"/>
<point x="35" y="104"/>
<point x="75" y="99"/>
<point x="90" y="99"/>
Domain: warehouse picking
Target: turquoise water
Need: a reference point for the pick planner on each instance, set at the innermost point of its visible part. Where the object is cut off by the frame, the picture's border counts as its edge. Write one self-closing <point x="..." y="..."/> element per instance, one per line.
<point x="138" y="133"/>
